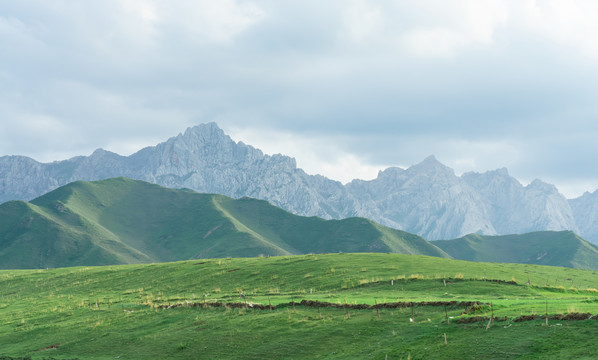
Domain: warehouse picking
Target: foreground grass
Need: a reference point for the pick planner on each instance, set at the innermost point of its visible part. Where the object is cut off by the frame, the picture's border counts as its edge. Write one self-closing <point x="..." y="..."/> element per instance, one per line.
<point x="112" y="312"/>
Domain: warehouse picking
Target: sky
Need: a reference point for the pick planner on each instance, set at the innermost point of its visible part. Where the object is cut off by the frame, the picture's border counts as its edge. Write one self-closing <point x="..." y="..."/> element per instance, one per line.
<point x="346" y="87"/>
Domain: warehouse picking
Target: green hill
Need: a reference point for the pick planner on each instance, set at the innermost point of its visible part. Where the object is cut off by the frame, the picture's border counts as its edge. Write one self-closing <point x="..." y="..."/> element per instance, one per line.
<point x="121" y="221"/>
<point x="557" y="248"/>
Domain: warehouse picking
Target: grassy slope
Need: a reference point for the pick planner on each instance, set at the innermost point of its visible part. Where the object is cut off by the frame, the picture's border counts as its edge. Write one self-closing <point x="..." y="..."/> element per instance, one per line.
<point x="315" y="235"/>
<point x="124" y="221"/>
<point x="562" y="248"/>
<point x="41" y="308"/>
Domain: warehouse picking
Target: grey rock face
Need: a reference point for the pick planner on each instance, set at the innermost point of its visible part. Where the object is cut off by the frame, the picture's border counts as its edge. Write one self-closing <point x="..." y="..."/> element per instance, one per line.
<point x="427" y="199"/>
<point x="585" y="211"/>
<point x="515" y="209"/>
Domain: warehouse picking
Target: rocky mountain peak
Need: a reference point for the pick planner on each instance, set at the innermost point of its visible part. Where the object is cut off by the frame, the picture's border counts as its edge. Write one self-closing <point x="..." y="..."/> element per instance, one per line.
<point x="100" y="153"/>
<point x="388" y="174"/>
<point x="430" y="171"/>
<point x="539" y="185"/>
<point x="431" y="165"/>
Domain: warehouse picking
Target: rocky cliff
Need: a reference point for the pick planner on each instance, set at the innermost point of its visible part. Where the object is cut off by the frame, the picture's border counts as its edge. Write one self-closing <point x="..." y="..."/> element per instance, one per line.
<point x="585" y="211"/>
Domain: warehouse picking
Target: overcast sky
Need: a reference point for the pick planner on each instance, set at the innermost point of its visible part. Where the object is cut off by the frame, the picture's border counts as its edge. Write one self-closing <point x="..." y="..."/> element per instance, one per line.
<point x="346" y="87"/>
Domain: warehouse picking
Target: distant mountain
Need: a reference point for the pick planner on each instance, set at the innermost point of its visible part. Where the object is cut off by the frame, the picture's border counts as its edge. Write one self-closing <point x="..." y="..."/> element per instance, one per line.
<point x="514" y="208"/>
<point x="585" y="212"/>
<point x="427" y="199"/>
<point x="120" y="221"/>
<point x="562" y="248"/>
<point x="203" y="159"/>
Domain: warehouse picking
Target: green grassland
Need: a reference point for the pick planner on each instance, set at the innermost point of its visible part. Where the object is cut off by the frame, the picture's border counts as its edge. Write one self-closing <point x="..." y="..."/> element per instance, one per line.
<point x="122" y="221"/>
<point x="560" y="248"/>
<point x="117" y="312"/>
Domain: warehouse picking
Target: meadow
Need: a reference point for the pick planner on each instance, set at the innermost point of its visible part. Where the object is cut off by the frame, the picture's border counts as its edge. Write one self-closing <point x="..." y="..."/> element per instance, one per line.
<point x="211" y="309"/>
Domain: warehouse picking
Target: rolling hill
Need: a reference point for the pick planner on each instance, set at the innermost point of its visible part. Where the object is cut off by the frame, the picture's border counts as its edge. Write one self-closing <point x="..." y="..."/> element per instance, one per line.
<point x="557" y="248"/>
<point x="331" y="306"/>
<point x="122" y="221"/>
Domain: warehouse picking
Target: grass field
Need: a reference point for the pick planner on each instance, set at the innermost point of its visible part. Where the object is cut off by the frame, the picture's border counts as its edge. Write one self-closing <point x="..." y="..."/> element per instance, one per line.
<point x="115" y="312"/>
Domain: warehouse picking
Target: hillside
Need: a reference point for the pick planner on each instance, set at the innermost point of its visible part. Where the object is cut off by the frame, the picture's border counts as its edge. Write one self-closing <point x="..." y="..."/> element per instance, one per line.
<point x="362" y="306"/>
<point x="557" y="248"/>
<point x="121" y="221"/>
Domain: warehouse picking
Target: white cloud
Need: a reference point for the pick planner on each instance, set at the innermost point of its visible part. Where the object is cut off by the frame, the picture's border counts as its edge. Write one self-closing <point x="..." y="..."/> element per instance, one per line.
<point x="346" y="87"/>
<point x="574" y="188"/>
<point x="569" y="23"/>
<point x="433" y="42"/>
<point x="449" y="27"/>
<point x="315" y="154"/>
<point x="212" y="21"/>
<point x="363" y="20"/>
<point x="465" y="155"/>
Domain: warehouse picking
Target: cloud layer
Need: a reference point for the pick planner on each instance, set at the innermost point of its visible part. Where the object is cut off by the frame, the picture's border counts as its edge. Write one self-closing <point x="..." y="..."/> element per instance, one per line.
<point x="346" y="87"/>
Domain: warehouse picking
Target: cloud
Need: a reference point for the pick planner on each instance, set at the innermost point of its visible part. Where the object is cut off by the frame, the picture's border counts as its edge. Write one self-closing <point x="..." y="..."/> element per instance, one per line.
<point x="206" y="21"/>
<point x="454" y="26"/>
<point x="566" y="23"/>
<point x="359" y="84"/>
<point x="314" y="153"/>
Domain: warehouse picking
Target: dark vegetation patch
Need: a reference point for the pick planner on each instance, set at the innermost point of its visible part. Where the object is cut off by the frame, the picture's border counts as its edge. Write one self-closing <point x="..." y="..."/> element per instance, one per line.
<point x="526" y="318"/>
<point x="571" y="316"/>
<point x="218" y="304"/>
<point x="511" y="282"/>
<point x="55" y="346"/>
<point x="472" y="309"/>
<point x="324" y="304"/>
<point x="474" y="319"/>
<point x="560" y="317"/>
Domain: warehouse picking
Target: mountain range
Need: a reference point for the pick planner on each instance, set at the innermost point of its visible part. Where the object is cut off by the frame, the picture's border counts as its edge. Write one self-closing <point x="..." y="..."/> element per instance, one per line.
<point x="123" y="221"/>
<point x="427" y="199"/>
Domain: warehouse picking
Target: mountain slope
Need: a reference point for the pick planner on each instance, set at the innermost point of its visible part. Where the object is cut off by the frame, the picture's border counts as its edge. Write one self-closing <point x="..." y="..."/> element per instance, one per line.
<point x="427" y="199"/>
<point x="119" y="220"/>
<point x="562" y="248"/>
